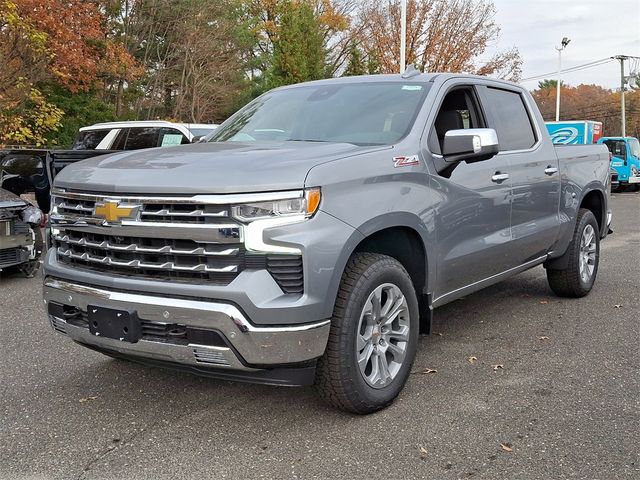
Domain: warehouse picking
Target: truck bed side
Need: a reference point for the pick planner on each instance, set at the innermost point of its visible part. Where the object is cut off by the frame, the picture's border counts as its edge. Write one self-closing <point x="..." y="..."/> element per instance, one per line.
<point x="584" y="171"/>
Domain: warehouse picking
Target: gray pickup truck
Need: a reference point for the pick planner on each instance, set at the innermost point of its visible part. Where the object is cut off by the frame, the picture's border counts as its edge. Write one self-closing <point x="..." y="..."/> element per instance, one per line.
<point x="310" y="237"/>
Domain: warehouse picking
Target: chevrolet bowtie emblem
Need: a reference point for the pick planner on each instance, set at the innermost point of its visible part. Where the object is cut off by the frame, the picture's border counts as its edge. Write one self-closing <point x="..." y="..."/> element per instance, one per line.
<point x="112" y="211"/>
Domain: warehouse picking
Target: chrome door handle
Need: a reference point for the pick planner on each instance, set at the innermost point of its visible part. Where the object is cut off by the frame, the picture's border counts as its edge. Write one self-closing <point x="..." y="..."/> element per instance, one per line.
<point x="550" y="170"/>
<point x="499" y="177"/>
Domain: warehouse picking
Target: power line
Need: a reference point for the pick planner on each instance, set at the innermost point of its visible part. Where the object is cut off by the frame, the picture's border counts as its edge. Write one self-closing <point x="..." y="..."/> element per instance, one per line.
<point x="595" y="63"/>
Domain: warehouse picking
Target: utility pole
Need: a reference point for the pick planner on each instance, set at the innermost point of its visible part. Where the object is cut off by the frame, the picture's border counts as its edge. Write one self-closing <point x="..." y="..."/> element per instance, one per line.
<point x="564" y="43"/>
<point x="623" y="126"/>
<point x="403" y="35"/>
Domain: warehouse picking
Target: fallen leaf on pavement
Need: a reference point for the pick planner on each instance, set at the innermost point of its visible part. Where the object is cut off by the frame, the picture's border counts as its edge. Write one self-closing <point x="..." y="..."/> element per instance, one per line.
<point x="426" y="371"/>
<point x="438" y="333"/>
<point x="506" y="447"/>
<point x="86" y="399"/>
<point x="544" y="302"/>
<point x="617" y="306"/>
<point x="543" y="337"/>
<point x="497" y="367"/>
<point x="472" y="360"/>
<point x="423" y="451"/>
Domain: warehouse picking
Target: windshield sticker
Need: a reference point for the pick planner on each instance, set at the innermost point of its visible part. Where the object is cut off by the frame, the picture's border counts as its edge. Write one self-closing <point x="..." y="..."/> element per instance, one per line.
<point x="412" y="87"/>
<point x="405" y="161"/>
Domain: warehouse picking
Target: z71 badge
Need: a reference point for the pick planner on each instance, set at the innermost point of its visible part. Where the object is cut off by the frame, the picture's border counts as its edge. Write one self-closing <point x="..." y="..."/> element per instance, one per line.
<point x="405" y="161"/>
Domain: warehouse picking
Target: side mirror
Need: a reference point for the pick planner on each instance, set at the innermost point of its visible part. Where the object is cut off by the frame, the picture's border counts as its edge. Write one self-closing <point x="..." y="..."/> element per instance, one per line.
<point x="197" y="139"/>
<point x="470" y="145"/>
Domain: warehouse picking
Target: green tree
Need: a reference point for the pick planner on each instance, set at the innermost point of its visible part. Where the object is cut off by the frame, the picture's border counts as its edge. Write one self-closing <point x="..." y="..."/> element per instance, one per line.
<point x="547" y="83"/>
<point x="80" y="109"/>
<point x="356" y="64"/>
<point x="299" y="54"/>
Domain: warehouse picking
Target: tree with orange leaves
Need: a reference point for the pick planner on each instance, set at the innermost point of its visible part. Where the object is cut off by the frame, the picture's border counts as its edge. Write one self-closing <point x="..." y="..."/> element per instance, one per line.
<point x="442" y="36"/>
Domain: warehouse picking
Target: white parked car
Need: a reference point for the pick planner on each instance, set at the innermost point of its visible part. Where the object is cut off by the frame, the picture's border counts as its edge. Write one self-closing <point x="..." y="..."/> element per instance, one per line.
<point x="134" y="135"/>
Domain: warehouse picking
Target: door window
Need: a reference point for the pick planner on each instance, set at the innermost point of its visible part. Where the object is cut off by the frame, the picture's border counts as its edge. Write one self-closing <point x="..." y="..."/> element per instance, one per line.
<point x="142" y="137"/>
<point x="458" y="111"/>
<point x="513" y="123"/>
<point x="171" y="136"/>
<point x="617" y="148"/>
<point x="89" y="139"/>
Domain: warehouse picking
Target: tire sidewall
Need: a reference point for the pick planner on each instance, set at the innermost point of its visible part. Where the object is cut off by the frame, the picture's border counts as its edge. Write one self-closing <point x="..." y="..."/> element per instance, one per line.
<point x="587" y="219"/>
<point x="375" y="277"/>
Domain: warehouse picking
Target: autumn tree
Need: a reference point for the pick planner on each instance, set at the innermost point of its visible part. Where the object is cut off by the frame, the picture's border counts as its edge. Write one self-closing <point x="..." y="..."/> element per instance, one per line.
<point x="442" y="36"/>
<point x="589" y="102"/>
<point x="62" y="41"/>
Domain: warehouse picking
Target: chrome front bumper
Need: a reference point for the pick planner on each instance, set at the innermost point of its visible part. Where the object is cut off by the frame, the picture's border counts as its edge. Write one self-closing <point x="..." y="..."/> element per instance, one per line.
<point x="250" y="347"/>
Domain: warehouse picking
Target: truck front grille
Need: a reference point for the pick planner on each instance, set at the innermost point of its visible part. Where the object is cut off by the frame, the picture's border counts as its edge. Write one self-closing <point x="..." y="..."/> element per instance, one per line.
<point x="162" y="238"/>
<point x="10" y="256"/>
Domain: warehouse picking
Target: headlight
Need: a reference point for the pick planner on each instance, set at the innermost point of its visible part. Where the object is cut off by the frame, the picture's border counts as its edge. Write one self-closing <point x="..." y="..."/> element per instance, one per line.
<point x="302" y="207"/>
<point x="260" y="216"/>
<point x="32" y="216"/>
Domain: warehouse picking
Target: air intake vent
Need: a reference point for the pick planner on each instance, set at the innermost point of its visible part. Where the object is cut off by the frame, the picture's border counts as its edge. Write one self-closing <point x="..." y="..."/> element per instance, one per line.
<point x="58" y="324"/>
<point x="209" y="356"/>
<point x="287" y="272"/>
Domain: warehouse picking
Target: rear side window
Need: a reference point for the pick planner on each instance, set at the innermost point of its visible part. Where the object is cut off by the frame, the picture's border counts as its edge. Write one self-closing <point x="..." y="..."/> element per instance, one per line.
<point x="513" y="124"/>
<point x="145" y="137"/>
<point x="171" y="136"/>
<point x="89" y="139"/>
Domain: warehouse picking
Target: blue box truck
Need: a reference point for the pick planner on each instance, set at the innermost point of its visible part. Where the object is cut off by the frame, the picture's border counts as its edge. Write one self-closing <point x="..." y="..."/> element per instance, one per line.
<point x="574" y="132"/>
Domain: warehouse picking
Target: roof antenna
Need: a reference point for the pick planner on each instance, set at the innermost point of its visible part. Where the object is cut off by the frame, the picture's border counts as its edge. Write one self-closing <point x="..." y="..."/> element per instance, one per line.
<point x="410" y="72"/>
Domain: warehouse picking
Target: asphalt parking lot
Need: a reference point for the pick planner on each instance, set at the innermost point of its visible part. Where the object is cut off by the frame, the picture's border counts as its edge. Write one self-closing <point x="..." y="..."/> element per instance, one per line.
<point x="526" y="386"/>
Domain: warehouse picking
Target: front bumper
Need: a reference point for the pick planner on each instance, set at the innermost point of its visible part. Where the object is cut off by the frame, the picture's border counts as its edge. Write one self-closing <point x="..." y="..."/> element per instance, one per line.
<point x="247" y="348"/>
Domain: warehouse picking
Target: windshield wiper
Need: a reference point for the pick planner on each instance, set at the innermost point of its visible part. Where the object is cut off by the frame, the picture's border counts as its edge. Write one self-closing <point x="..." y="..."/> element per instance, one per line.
<point x="306" y="140"/>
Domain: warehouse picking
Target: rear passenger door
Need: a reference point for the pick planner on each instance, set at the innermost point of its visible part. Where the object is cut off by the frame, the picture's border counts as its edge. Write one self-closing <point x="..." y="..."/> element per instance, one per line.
<point x="533" y="173"/>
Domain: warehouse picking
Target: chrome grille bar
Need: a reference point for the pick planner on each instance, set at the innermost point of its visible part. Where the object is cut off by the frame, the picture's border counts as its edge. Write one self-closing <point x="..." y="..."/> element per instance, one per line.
<point x="222" y="199"/>
<point x="173" y="213"/>
<point x="135" y="248"/>
<point x="103" y="260"/>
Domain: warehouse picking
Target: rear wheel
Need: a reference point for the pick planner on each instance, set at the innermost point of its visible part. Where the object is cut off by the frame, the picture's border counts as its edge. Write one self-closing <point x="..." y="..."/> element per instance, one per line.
<point x="577" y="279"/>
<point x="373" y="337"/>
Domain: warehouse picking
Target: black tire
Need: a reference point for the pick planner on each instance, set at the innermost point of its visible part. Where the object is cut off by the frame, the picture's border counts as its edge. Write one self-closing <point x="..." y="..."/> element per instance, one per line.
<point x="338" y="376"/>
<point x="569" y="282"/>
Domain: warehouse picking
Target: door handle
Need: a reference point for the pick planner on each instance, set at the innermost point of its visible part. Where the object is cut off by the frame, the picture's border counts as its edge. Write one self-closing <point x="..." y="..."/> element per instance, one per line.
<point x="499" y="177"/>
<point x="550" y="170"/>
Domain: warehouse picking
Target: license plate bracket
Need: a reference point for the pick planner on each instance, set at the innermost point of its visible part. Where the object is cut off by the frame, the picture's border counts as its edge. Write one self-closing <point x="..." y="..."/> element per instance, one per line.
<point x="122" y="325"/>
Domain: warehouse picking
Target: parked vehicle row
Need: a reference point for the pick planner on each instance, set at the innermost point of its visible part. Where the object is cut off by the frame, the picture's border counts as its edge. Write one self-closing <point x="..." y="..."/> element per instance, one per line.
<point x="312" y="235"/>
<point x="21" y="242"/>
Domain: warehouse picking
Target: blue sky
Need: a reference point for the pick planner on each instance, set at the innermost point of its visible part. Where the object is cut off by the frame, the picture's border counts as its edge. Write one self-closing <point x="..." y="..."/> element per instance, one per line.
<point x="597" y="28"/>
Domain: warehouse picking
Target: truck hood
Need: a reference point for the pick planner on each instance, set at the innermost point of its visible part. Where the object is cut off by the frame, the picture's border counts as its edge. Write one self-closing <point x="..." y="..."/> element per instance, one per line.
<point x="229" y="167"/>
<point x="9" y="200"/>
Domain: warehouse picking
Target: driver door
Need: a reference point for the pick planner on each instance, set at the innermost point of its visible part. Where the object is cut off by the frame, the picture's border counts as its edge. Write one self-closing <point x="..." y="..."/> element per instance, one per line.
<point x="473" y="215"/>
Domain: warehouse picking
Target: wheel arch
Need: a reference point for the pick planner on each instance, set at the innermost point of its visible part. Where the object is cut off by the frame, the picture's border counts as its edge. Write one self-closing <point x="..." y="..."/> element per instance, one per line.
<point x="593" y="200"/>
<point x="402" y="237"/>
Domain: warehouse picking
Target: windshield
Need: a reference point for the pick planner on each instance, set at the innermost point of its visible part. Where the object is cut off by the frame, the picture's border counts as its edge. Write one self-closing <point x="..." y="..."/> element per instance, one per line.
<point x="357" y="113"/>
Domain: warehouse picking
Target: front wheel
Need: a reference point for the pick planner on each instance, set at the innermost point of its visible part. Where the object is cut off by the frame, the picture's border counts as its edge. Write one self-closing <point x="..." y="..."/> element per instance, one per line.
<point x="577" y="279"/>
<point x="373" y="337"/>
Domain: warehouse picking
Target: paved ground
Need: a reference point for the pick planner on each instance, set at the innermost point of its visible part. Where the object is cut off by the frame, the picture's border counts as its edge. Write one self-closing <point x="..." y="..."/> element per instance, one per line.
<point x="566" y="402"/>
